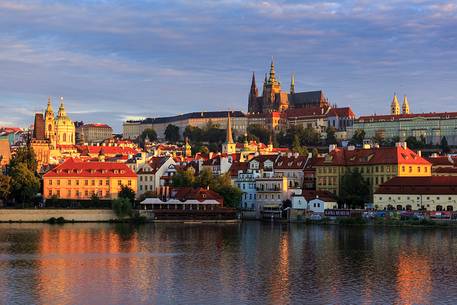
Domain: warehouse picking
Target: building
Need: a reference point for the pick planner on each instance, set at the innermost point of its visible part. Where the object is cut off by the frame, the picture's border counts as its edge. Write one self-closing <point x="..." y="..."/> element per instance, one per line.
<point x="274" y="99"/>
<point x="376" y="165"/>
<point x="229" y="146"/>
<point x="79" y="180"/>
<point x="418" y="193"/>
<point x="239" y="121"/>
<point x="151" y="172"/>
<point x="94" y="133"/>
<point x="432" y="127"/>
<point x="5" y="153"/>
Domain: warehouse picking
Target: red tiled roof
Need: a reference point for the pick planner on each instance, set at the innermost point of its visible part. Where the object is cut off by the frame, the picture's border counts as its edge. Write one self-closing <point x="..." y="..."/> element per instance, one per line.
<point x="305" y="112"/>
<point x="380" y="118"/>
<point x="106" y="150"/>
<point x="323" y="195"/>
<point x="382" y="155"/>
<point x="154" y="163"/>
<point x="200" y="194"/>
<point x="238" y="166"/>
<point x="341" y="112"/>
<point x="76" y="168"/>
<point x="284" y="162"/>
<point x="420" y="185"/>
<point x="442" y="161"/>
<point x="97" y="125"/>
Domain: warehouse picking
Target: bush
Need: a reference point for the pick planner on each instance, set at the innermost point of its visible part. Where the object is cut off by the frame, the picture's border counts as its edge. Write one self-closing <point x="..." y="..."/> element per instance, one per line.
<point x="122" y="207"/>
<point x="352" y="221"/>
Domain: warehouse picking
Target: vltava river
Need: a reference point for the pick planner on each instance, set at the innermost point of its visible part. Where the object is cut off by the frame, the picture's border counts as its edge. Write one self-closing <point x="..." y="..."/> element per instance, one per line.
<point x="249" y="263"/>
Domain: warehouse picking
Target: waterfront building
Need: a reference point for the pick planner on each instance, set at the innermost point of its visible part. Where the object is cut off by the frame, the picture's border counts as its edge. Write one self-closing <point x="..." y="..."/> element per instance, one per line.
<point x="94" y="133"/>
<point x="376" y="165"/>
<point x="443" y="165"/>
<point x="430" y="126"/>
<point x="435" y="193"/>
<point x="312" y="201"/>
<point x="5" y="153"/>
<point x="150" y="173"/>
<point x="75" y="179"/>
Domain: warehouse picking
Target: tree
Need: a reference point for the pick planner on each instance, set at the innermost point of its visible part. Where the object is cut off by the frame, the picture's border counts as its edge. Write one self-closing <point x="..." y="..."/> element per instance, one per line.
<point x="358" y="137"/>
<point x="444" y="146"/>
<point x="414" y="144"/>
<point x="24" y="184"/>
<point x="5" y="187"/>
<point x="122" y="207"/>
<point x="298" y="148"/>
<point x="331" y="138"/>
<point x="258" y="133"/>
<point x="148" y="133"/>
<point x="95" y="200"/>
<point x="127" y="193"/>
<point x="24" y="155"/>
<point x="355" y="191"/>
<point x="172" y="133"/>
<point x="310" y="137"/>
<point x="183" y="178"/>
<point x="204" y="178"/>
<point x="223" y="186"/>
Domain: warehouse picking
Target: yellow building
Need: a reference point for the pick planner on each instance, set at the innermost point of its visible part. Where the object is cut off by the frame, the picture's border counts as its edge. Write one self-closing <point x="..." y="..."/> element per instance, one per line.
<point x="76" y="179"/>
<point x="376" y="165"/>
<point x="65" y="129"/>
<point x="395" y="106"/>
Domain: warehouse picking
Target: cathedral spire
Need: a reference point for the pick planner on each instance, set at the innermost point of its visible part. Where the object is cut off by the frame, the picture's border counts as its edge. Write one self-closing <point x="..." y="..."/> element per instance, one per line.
<point x="229" y="139"/>
<point x="272" y="79"/>
<point x="49" y="107"/>
<point x="254" y="90"/>
<point x="62" y="112"/>
<point x="395" y="106"/>
<point x="292" y="84"/>
<point x="405" y="106"/>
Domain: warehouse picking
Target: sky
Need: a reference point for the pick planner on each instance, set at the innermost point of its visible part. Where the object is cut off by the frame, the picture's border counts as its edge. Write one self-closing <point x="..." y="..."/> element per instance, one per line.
<point x="118" y="60"/>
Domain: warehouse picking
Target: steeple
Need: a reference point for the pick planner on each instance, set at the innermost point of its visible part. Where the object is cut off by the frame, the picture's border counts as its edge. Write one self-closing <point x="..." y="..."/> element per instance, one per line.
<point x="253" y="94"/>
<point x="254" y="90"/>
<point x="405" y="106"/>
<point x="61" y="112"/>
<point x="229" y="139"/>
<point x="272" y="79"/>
<point x="395" y="106"/>
<point x="49" y="107"/>
<point x="292" y="84"/>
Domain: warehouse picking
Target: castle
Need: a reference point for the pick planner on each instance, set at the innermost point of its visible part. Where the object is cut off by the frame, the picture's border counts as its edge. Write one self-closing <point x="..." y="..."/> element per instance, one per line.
<point x="274" y="99"/>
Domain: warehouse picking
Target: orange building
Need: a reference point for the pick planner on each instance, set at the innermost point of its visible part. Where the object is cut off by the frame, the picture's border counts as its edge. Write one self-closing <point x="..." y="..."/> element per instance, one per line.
<point x="75" y="179"/>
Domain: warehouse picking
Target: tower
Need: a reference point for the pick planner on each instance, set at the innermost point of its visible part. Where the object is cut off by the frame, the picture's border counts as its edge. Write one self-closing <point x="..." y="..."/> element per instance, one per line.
<point x="405" y="106"/>
<point x="187" y="148"/>
<point x="395" y="106"/>
<point x="253" y="94"/>
<point x="271" y="88"/>
<point x="229" y="147"/>
<point x="292" y="84"/>
<point x="65" y="129"/>
<point x="49" y="121"/>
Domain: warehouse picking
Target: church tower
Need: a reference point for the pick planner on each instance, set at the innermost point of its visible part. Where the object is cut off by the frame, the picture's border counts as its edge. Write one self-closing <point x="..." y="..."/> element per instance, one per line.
<point x="272" y="87"/>
<point x="187" y="148"/>
<point x="405" y="106"/>
<point x="292" y="84"/>
<point x="253" y="94"/>
<point x="395" y="106"/>
<point x="65" y="129"/>
<point x="49" y="123"/>
<point x="229" y="147"/>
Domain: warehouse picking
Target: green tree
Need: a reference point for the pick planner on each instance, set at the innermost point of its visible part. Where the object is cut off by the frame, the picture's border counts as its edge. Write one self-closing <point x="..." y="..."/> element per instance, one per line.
<point x="444" y="146"/>
<point x="223" y="186"/>
<point x="331" y="138"/>
<point x="355" y="191"/>
<point x="310" y="137"/>
<point x="24" y="184"/>
<point x="183" y="178"/>
<point x="148" y="133"/>
<point x="122" y="207"/>
<point x="358" y="137"/>
<point x="298" y="148"/>
<point x="127" y="192"/>
<point x="414" y="144"/>
<point x="204" y="178"/>
<point x="172" y="133"/>
<point x="24" y="155"/>
<point x="5" y="187"/>
<point x="258" y="133"/>
<point x="95" y="200"/>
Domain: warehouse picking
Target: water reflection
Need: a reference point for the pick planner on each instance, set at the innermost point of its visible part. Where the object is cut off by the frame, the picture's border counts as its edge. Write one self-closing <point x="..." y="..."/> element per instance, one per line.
<point x="250" y="263"/>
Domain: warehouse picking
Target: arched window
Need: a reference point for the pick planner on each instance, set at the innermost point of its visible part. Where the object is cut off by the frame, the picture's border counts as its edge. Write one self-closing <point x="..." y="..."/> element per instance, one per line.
<point x="408" y="207"/>
<point x="50" y="127"/>
<point x="399" y="207"/>
<point x="450" y="208"/>
<point x="64" y="137"/>
<point x="439" y="208"/>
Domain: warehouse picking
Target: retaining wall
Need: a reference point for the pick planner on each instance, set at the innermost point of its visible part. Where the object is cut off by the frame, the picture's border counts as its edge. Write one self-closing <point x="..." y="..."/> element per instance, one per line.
<point x="33" y="215"/>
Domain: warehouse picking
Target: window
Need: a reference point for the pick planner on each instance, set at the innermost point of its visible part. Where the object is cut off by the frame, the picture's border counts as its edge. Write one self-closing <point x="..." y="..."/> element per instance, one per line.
<point x="86" y="182"/>
<point x="58" y="182"/>
<point x="141" y="187"/>
<point x="130" y="182"/>
<point x="100" y="182"/>
<point x="141" y="178"/>
<point x="410" y="169"/>
<point x="77" y="182"/>
<point x="50" y="192"/>
<point x="119" y="182"/>
<point x="403" y="168"/>
<point x="50" y="181"/>
<point x="92" y="182"/>
<point x="86" y="193"/>
<point x="69" y="182"/>
<point x="418" y="169"/>
<point x="107" y="181"/>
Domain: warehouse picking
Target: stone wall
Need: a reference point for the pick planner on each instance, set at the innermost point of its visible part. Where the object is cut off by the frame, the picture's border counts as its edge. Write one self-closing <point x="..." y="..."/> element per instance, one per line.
<point x="32" y="215"/>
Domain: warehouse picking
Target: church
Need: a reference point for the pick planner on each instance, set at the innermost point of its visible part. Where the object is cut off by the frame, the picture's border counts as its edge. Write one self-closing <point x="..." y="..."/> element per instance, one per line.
<point x="274" y="99"/>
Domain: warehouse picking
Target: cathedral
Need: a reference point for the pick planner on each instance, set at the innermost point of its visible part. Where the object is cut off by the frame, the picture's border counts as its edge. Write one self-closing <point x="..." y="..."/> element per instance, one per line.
<point x="274" y="99"/>
<point x="58" y="130"/>
<point x="395" y="106"/>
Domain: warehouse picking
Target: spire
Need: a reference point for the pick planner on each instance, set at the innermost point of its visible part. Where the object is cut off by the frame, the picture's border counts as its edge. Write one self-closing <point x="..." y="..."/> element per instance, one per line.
<point x="272" y="79"/>
<point x="61" y="108"/>
<point x="395" y="106"/>
<point x="254" y="91"/>
<point x="292" y="84"/>
<point x="229" y="139"/>
<point x="405" y="106"/>
<point x="49" y="107"/>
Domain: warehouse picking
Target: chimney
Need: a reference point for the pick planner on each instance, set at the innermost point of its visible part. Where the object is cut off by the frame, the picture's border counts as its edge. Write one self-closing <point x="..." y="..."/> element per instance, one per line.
<point x="332" y="147"/>
<point x="419" y="153"/>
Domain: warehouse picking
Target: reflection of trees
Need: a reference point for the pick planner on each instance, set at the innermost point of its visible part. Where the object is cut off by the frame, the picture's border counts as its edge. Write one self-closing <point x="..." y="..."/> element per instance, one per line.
<point x="126" y="231"/>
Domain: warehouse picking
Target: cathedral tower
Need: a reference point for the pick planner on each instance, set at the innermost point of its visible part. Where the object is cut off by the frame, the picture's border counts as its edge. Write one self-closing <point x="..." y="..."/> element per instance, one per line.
<point x="292" y="84"/>
<point x="405" y="106"/>
<point x="50" y="127"/>
<point x="253" y="94"/>
<point x="395" y="106"/>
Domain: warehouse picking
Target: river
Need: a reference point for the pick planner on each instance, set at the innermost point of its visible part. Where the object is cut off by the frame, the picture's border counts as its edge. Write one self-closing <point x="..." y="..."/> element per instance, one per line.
<point x="247" y="263"/>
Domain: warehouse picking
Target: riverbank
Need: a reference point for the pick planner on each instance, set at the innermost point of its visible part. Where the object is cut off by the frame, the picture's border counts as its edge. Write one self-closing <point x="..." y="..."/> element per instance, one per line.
<point x="68" y="215"/>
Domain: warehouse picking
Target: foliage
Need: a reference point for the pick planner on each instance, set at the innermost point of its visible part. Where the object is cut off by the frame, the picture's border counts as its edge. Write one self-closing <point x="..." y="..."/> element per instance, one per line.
<point x="358" y="137"/>
<point x="415" y="144"/>
<point x="204" y="178"/>
<point x="297" y="135"/>
<point x="24" y="184"/>
<point x="148" y="194"/>
<point x="122" y="207"/>
<point x="258" y="133"/>
<point x="184" y="178"/>
<point x="127" y="193"/>
<point x="296" y="147"/>
<point x="172" y="133"/>
<point x="5" y="187"/>
<point x="223" y="186"/>
<point x="355" y="191"/>
<point x="95" y="200"/>
<point x="210" y="134"/>
<point x="444" y="146"/>
<point x="148" y="133"/>
<point x="24" y="155"/>
<point x="331" y="138"/>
